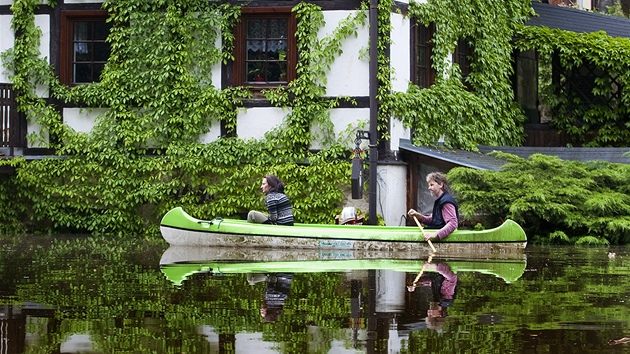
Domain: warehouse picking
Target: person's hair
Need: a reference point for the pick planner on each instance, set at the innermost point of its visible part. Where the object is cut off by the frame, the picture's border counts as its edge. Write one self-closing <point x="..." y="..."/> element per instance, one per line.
<point x="440" y="178"/>
<point x="275" y="184"/>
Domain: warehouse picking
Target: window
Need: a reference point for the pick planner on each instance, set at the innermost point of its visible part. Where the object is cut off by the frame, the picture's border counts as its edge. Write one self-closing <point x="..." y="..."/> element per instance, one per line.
<point x="463" y="57"/>
<point x="423" y="72"/>
<point x="84" y="50"/>
<point x="8" y="113"/>
<point x="265" y="47"/>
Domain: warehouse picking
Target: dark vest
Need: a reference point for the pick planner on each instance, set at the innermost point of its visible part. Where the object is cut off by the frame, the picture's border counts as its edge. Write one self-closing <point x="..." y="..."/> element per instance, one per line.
<point x="437" y="220"/>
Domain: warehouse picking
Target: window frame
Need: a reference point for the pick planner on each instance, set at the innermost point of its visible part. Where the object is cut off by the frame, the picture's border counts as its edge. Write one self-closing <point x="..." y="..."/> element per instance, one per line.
<point x="68" y="19"/>
<point x="427" y="47"/>
<point x="240" y="47"/>
<point x="464" y="56"/>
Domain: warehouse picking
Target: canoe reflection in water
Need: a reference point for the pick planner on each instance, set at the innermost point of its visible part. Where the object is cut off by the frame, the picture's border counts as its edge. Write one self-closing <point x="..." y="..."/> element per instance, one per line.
<point x="277" y="289"/>
<point x="443" y="284"/>
<point x="361" y="296"/>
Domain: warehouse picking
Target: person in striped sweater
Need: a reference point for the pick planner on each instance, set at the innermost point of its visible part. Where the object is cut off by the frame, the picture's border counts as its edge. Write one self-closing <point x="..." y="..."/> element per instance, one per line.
<point x="279" y="207"/>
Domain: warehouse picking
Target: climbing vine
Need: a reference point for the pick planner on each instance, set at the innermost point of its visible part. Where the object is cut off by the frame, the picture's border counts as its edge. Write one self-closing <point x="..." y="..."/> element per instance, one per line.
<point x="605" y="121"/>
<point x="485" y="114"/>
<point x="384" y="71"/>
<point x="306" y="94"/>
<point x="143" y="155"/>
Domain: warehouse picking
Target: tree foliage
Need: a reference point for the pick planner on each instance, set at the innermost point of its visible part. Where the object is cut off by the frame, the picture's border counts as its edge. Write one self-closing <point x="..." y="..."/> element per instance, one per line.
<point x="555" y="201"/>
<point x="603" y="121"/>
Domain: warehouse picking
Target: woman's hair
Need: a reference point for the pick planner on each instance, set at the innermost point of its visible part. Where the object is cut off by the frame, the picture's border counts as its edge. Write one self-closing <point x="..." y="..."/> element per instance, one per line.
<point x="440" y="178"/>
<point x="275" y="184"/>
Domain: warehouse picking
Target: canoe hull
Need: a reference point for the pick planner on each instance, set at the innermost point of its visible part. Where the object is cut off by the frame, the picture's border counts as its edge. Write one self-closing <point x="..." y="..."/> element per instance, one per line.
<point x="195" y="254"/>
<point x="178" y="237"/>
<point x="179" y="263"/>
<point x="180" y="229"/>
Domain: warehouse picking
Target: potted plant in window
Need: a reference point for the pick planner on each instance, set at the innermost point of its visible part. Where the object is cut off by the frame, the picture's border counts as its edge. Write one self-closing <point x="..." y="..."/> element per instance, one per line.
<point x="282" y="58"/>
<point x="256" y="74"/>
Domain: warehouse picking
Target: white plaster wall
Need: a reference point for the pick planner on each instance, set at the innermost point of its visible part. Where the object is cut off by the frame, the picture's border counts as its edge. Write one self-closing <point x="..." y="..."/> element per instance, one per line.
<point x="6" y="42"/>
<point x="80" y="119"/>
<point x="348" y="75"/>
<point x="397" y="131"/>
<point x="212" y="135"/>
<point x="43" y="22"/>
<point x="346" y="122"/>
<point x="216" y="70"/>
<point x="400" y="52"/>
<point x="36" y="141"/>
<point x="253" y="123"/>
<point x="391" y="191"/>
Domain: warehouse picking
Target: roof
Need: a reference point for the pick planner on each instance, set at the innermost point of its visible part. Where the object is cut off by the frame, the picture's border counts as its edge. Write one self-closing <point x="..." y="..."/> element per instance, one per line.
<point x="482" y="161"/>
<point x="574" y="20"/>
<point x="476" y="160"/>
<point x="615" y="155"/>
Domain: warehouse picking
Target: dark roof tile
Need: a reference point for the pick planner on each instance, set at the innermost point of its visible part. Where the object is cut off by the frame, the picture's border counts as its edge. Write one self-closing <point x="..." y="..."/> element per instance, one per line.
<point x="579" y="21"/>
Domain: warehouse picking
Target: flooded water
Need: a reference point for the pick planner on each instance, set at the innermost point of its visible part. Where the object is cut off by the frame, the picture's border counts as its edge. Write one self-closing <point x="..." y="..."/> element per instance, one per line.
<point x="104" y="295"/>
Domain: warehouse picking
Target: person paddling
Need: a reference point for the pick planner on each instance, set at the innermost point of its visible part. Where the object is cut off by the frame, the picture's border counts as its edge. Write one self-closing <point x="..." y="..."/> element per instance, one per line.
<point x="279" y="207"/>
<point x="445" y="209"/>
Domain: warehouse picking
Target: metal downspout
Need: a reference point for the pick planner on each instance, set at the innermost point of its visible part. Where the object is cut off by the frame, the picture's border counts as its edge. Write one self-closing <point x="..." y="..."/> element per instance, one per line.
<point x="373" y="110"/>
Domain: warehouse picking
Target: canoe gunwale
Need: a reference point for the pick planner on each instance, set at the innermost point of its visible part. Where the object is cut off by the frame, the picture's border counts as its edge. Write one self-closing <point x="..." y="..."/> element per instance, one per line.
<point x="180" y="229"/>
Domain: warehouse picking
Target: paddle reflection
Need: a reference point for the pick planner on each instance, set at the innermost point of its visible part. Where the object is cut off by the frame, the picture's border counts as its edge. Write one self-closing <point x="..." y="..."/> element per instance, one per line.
<point x="442" y="283"/>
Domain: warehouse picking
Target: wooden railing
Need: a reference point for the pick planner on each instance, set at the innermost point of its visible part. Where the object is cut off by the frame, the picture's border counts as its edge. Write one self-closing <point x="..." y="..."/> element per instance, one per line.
<point x="12" y="125"/>
<point x="7" y="110"/>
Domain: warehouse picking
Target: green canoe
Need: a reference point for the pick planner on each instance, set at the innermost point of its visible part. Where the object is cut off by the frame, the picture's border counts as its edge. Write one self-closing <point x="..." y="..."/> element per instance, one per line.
<point x="508" y="270"/>
<point x="180" y="229"/>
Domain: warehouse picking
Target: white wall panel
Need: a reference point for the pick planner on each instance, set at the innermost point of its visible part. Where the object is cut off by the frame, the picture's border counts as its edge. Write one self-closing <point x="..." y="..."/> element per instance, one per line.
<point x="43" y="22"/>
<point x="216" y="70"/>
<point x="346" y="121"/>
<point x="400" y="52"/>
<point x="213" y="134"/>
<point x="397" y="131"/>
<point x="6" y="42"/>
<point x="81" y="120"/>
<point x="253" y="123"/>
<point x="348" y="75"/>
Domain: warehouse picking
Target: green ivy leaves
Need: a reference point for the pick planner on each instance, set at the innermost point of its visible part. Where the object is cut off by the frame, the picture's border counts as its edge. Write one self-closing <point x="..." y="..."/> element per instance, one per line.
<point x="143" y="157"/>
<point x="486" y="114"/>
<point x="587" y="124"/>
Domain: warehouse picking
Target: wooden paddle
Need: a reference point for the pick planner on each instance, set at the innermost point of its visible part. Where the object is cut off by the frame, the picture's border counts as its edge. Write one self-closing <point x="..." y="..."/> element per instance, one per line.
<point x="412" y="287"/>
<point x="421" y="229"/>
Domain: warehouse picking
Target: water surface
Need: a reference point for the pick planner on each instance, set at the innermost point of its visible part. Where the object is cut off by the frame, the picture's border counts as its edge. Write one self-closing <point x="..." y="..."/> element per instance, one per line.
<point x="116" y="295"/>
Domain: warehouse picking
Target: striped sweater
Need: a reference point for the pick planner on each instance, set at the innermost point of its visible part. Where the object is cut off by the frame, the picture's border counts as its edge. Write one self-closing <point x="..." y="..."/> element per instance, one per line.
<point x="279" y="208"/>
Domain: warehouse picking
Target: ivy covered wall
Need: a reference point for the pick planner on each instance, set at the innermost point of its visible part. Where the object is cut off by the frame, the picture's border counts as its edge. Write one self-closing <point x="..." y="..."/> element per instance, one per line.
<point x="144" y="157"/>
<point x="600" y="116"/>
<point x="486" y="114"/>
